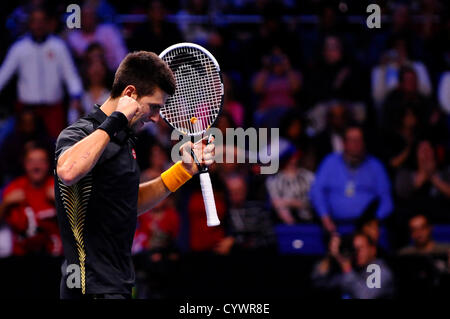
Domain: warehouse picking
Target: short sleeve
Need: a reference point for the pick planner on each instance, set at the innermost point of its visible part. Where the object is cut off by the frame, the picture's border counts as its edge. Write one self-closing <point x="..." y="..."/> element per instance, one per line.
<point x="69" y="137"/>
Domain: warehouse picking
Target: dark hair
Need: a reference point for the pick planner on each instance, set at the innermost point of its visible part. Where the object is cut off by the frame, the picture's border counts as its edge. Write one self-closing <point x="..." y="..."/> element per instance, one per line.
<point x="146" y="71"/>
<point x="34" y="146"/>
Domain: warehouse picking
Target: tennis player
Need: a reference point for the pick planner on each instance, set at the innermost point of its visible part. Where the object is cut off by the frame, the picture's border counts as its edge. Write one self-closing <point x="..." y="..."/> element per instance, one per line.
<point x="98" y="195"/>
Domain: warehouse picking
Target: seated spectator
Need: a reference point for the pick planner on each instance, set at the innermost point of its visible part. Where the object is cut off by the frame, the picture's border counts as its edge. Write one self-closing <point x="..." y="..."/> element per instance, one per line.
<point x="424" y="263"/>
<point x="289" y="190"/>
<point x="156" y="34"/>
<point x="28" y="207"/>
<point x="333" y="75"/>
<point x="249" y="222"/>
<point x="422" y="239"/>
<point x="92" y="32"/>
<point x="426" y="186"/>
<point x="294" y="130"/>
<point x="95" y="77"/>
<point x="28" y="127"/>
<point x="347" y="183"/>
<point x="331" y="138"/>
<point x="347" y="272"/>
<point x="369" y="225"/>
<point x="194" y="32"/>
<point x="406" y="95"/>
<point x="400" y="144"/>
<point x="387" y="76"/>
<point x="43" y="64"/>
<point x="276" y="85"/>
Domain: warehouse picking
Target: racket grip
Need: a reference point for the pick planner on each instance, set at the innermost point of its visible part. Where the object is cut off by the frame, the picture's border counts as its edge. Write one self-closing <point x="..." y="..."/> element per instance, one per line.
<point x="208" y="198"/>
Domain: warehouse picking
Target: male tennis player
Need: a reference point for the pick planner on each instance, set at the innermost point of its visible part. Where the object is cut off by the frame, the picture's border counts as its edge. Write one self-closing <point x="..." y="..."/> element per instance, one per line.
<point x="98" y="195"/>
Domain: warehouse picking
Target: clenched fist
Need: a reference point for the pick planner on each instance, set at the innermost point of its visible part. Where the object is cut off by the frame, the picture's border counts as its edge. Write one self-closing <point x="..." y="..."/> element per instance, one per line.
<point x="128" y="106"/>
<point x="203" y="151"/>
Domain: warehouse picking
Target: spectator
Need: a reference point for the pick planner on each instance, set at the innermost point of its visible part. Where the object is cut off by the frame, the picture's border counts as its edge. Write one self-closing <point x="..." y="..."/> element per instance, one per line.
<point x="16" y="22"/>
<point x="194" y="32"/>
<point x="28" y="207"/>
<point x="250" y="224"/>
<point x="28" y="127"/>
<point x="331" y="138"/>
<point x="426" y="187"/>
<point x="424" y="262"/>
<point x="276" y="85"/>
<point x="402" y="141"/>
<point x="294" y="130"/>
<point x="347" y="183"/>
<point x="272" y="32"/>
<point x="422" y="239"/>
<point x="332" y="76"/>
<point x="289" y="191"/>
<point x="95" y="78"/>
<point x="351" y="275"/>
<point x="387" y="75"/>
<point x="406" y="95"/>
<point x="43" y="64"/>
<point x="369" y="225"/>
<point x="156" y="34"/>
<point x="93" y="32"/>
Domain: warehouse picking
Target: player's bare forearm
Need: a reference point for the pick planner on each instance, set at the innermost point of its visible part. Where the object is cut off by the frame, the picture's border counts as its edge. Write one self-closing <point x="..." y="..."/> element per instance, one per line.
<point x="151" y="193"/>
<point x="78" y="160"/>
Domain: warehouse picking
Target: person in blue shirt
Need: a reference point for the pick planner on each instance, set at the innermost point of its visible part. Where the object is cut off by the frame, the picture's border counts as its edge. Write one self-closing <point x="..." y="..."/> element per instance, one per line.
<point x="346" y="184"/>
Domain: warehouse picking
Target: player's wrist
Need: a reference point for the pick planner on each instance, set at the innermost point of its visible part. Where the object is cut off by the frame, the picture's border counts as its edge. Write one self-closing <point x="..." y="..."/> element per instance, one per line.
<point x="191" y="168"/>
<point x="176" y="176"/>
<point x="116" y="122"/>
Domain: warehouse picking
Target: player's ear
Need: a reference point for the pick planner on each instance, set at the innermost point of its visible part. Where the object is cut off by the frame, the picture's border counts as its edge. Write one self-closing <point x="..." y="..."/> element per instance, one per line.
<point x="130" y="91"/>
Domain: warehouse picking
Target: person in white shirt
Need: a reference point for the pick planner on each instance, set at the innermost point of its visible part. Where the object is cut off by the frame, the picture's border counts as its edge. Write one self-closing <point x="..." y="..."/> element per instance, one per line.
<point x="43" y="64"/>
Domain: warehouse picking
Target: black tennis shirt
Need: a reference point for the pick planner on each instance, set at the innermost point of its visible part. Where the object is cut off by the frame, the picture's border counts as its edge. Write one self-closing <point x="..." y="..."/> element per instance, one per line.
<point x="97" y="215"/>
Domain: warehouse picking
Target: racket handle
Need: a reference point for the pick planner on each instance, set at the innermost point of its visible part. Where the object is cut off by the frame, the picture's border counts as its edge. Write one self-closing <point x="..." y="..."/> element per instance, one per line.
<point x="208" y="198"/>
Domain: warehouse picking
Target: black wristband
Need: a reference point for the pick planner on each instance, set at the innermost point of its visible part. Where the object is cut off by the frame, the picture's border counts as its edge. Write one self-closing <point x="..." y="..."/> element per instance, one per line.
<point x="114" y="123"/>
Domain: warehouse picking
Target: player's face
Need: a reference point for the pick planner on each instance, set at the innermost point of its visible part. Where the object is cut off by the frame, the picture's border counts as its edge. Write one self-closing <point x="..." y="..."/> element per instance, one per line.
<point x="150" y="106"/>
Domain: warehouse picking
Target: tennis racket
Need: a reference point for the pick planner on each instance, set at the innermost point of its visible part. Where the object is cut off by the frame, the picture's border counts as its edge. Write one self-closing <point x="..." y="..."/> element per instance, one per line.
<point x="196" y="103"/>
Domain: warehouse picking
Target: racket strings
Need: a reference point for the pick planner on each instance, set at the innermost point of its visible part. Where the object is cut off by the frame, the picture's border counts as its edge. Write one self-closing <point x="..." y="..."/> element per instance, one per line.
<point x="198" y="98"/>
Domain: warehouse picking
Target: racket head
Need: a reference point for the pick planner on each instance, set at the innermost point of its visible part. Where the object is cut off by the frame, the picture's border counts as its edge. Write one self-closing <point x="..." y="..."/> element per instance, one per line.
<point x="199" y="95"/>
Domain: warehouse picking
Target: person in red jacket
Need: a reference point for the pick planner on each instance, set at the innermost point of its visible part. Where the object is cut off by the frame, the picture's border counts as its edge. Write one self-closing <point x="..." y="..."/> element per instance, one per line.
<point x="28" y="207"/>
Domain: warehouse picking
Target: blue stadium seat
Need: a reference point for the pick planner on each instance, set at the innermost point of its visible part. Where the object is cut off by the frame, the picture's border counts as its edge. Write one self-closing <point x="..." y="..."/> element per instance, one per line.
<point x="308" y="239"/>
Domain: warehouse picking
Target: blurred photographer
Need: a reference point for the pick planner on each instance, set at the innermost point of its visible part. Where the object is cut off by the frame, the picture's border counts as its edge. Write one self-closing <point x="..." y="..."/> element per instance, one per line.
<point x="344" y="269"/>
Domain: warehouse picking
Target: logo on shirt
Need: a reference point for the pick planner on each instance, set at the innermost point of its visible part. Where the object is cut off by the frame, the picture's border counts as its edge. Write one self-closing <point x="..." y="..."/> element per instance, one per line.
<point x="133" y="152"/>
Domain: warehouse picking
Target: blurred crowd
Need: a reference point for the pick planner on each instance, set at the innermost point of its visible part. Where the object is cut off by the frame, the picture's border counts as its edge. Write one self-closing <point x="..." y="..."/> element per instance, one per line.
<point x="364" y="119"/>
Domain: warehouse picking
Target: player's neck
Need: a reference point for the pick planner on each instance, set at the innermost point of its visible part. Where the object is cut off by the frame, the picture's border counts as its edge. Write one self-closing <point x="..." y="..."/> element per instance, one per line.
<point x="109" y="106"/>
